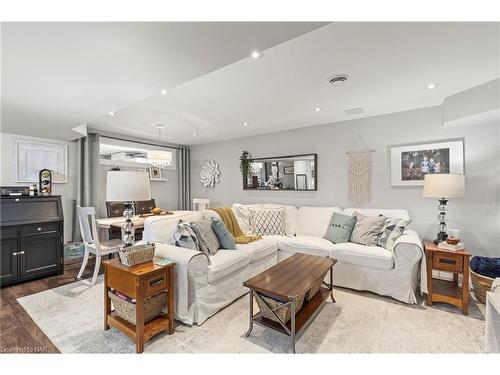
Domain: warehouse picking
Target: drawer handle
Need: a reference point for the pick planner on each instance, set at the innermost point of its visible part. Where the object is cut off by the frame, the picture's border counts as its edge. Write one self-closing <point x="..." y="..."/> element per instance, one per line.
<point x="156" y="282"/>
<point x="16" y="200"/>
<point x="18" y="253"/>
<point x="39" y="229"/>
<point x="448" y="261"/>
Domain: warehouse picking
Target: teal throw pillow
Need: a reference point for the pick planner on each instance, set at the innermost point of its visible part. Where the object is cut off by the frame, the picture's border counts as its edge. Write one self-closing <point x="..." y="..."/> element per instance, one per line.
<point x="226" y="239"/>
<point x="340" y="228"/>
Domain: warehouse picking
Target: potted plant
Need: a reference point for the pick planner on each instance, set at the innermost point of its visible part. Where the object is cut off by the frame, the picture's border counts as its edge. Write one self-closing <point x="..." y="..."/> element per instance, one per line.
<point x="245" y="167"/>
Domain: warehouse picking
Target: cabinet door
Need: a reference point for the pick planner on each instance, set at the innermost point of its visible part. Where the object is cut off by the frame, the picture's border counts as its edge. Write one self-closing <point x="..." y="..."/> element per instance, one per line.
<point x="8" y="261"/>
<point x="42" y="253"/>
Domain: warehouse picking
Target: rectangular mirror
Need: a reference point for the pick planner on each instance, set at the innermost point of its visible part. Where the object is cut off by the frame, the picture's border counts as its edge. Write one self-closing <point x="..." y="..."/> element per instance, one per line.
<point x="296" y="172"/>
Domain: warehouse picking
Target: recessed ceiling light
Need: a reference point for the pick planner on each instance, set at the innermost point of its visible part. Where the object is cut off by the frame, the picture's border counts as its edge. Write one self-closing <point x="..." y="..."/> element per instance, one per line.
<point x="245" y="124"/>
<point x="432" y="86"/>
<point x="317" y="109"/>
<point x="111" y="113"/>
<point x="255" y="54"/>
<point x="195" y="134"/>
<point x="164" y="92"/>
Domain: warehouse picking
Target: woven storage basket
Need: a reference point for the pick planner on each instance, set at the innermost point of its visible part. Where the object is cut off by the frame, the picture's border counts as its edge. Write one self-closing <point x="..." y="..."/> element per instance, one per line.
<point x="127" y="310"/>
<point x="137" y="254"/>
<point x="481" y="284"/>
<point x="315" y="288"/>
<point x="284" y="313"/>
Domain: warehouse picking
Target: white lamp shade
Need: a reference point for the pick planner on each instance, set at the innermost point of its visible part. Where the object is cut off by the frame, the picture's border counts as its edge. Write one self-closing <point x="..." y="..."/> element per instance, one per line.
<point x="158" y="158"/>
<point x="126" y="186"/>
<point x="444" y="186"/>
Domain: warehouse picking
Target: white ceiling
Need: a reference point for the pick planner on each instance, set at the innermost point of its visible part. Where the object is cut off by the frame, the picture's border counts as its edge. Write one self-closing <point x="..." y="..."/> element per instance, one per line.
<point x="56" y="76"/>
<point x="214" y="86"/>
<point x="389" y="64"/>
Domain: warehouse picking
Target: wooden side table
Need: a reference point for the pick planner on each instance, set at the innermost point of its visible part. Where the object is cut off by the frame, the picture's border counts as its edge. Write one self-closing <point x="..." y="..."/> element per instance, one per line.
<point x="456" y="262"/>
<point x="139" y="282"/>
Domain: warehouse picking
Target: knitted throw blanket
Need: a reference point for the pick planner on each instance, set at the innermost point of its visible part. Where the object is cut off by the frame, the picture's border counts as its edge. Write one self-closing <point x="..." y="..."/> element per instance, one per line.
<point x="228" y="217"/>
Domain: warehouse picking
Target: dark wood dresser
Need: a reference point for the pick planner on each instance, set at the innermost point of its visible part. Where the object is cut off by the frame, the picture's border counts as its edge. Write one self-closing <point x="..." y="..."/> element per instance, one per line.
<point x="31" y="232"/>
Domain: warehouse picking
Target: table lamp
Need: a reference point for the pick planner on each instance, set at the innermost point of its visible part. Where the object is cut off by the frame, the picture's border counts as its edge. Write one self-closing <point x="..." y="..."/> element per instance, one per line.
<point x="444" y="187"/>
<point x="126" y="187"/>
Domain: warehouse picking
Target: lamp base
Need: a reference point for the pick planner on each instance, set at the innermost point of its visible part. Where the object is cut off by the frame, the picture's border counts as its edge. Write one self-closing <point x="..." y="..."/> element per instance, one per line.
<point x="128" y="230"/>
<point x="441" y="236"/>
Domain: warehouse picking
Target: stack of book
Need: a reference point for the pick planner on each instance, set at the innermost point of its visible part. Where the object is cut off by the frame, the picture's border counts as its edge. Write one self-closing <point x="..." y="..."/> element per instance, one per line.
<point x="446" y="246"/>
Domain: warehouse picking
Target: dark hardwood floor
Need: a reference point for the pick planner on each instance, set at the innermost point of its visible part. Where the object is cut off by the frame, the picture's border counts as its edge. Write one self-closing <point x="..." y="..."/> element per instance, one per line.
<point x="18" y="332"/>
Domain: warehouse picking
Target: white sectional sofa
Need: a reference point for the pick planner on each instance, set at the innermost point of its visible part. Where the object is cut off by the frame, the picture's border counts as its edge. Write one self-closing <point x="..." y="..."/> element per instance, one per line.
<point x="207" y="284"/>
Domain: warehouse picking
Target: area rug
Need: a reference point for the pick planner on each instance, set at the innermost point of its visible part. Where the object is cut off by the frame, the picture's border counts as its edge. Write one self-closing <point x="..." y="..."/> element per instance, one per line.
<point x="72" y="318"/>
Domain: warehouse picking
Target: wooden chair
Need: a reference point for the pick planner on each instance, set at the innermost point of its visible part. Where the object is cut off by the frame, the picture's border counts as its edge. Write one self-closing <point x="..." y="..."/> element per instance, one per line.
<point x="200" y="204"/>
<point x="115" y="209"/>
<point x="144" y="207"/>
<point x="90" y="236"/>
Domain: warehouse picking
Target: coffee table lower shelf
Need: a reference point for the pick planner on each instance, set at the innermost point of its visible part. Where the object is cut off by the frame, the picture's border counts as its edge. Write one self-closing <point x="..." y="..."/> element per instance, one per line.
<point x="304" y="316"/>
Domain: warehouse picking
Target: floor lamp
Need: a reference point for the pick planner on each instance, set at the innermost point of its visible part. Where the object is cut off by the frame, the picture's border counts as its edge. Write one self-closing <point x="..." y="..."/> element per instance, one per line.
<point x="127" y="187"/>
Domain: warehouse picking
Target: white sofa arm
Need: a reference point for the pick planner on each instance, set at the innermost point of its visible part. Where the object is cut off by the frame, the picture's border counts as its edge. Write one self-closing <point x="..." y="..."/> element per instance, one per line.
<point x="408" y="249"/>
<point x="191" y="270"/>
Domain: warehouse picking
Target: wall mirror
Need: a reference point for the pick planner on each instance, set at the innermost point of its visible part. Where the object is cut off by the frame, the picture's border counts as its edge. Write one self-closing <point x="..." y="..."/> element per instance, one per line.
<point x="296" y="172"/>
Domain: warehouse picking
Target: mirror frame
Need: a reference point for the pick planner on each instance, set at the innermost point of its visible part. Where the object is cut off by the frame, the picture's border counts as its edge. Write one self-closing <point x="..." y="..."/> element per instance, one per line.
<point x="245" y="186"/>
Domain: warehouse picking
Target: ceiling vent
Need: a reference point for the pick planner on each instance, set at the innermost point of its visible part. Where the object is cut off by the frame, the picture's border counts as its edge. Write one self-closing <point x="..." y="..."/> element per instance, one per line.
<point x="338" y="80"/>
<point x="354" y="111"/>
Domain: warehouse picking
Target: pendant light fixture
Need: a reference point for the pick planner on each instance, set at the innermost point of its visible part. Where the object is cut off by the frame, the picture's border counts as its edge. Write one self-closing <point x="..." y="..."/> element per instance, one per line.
<point x="158" y="158"/>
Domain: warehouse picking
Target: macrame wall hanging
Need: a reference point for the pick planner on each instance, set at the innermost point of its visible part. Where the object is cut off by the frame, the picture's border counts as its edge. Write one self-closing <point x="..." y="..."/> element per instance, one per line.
<point x="359" y="170"/>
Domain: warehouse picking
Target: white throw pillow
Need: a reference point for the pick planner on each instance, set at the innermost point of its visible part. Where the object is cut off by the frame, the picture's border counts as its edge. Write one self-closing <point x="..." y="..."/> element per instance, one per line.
<point x="267" y="221"/>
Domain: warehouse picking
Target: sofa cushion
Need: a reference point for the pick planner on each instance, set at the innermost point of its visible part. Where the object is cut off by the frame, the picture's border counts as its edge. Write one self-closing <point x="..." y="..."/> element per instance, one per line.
<point x="225" y="263"/>
<point x="361" y="255"/>
<point x="313" y="221"/>
<point x="367" y="229"/>
<point x="290" y="217"/>
<point x="161" y="228"/>
<point x="241" y="211"/>
<point x="225" y="238"/>
<point x="267" y="221"/>
<point x="306" y="245"/>
<point x="340" y="228"/>
<point x="260" y="249"/>
<point x="387" y="212"/>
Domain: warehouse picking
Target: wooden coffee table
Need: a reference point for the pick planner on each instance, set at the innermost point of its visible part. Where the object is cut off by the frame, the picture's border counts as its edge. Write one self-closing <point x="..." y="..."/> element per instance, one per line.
<point x="285" y="282"/>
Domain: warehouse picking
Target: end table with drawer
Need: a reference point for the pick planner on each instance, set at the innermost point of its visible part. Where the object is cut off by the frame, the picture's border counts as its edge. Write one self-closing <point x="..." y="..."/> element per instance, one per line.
<point x="456" y="262"/>
<point x="139" y="282"/>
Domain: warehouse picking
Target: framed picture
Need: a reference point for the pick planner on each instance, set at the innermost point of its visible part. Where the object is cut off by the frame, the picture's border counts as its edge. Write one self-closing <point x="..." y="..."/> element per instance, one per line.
<point x="411" y="162"/>
<point x="288" y="170"/>
<point x="32" y="157"/>
<point x="156" y="174"/>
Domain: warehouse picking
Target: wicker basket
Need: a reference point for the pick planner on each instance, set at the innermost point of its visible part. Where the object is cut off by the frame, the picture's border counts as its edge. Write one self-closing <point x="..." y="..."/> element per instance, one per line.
<point x="137" y="254"/>
<point x="315" y="288"/>
<point x="127" y="310"/>
<point x="481" y="284"/>
<point x="284" y="313"/>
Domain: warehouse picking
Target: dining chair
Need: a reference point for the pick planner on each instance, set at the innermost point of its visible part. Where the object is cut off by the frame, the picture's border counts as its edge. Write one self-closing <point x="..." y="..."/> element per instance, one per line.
<point x="90" y="236"/>
<point x="200" y="204"/>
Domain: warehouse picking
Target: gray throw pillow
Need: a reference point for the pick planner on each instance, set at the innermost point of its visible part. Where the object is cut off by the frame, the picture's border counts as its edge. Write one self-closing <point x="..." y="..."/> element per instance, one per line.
<point x="209" y="243"/>
<point x="184" y="236"/>
<point x="340" y="228"/>
<point x="367" y="229"/>
<point x="225" y="238"/>
<point x="392" y="230"/>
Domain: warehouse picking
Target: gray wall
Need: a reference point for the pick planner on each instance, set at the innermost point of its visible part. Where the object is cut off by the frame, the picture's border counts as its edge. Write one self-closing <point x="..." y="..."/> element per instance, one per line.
<point x="67" y="191"/>
<point x="477" y="215"/>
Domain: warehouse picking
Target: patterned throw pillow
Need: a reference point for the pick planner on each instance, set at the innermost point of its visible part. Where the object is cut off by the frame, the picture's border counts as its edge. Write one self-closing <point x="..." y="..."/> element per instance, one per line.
<point x="267" y="221"/>
<point x="209" y="243"/>
<point x="184" y="236"/>
<point x="393" y="228"/>
<point x="367" y="229"/>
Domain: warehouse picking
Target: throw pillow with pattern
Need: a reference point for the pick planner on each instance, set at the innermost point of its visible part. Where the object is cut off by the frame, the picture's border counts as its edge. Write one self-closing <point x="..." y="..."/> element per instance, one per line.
<point x="267" y="221"/>
<point x="209" y="243"/>
<point x="340" y="228"/>
<point x="366" y="229"/>
<point x="184" y="236"/>
<point x="392" y="230"/>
